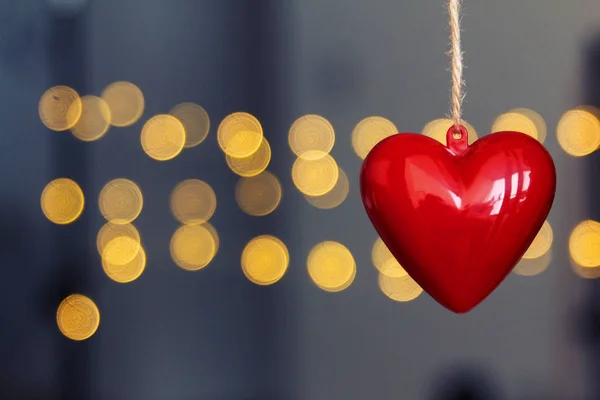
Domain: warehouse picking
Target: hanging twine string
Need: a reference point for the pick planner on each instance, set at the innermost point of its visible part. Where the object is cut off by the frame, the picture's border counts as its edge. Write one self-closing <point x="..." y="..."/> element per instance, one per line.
<point x="456" y="57"/>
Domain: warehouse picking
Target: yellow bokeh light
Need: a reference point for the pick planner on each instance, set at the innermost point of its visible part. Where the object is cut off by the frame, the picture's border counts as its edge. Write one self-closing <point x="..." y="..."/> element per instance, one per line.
<point x="369" y="132"/>
<point x="265" y="260"/>
<point x="259" y="195"/>
<point x="192" y="247"/>
<point x="78" y="317"/>
<point x="542" y="242"/>
<point x="584" y="244"/>
<point x="60" y="108"/>
<point x="163" y="137"/>
<point x="437" y="129"/>
<point x="121" y="250"/>
<point x="515" y="122"/>
<point x="331" y="266"/>
<point x="315" y="176"/>
<point x="578" y="132"/>
<point x="384" y="261"/>
<point x="595" y="111"/>
<point x="585" y="272"/>
<point x="121" y="201"/>
<point x="251" y="165"/>
<point x="534" y="266"/>
<point x="195" y="120"/>
<point x="193" y="202"/>
<point x="538" y="121"/>
<point x="118" y="244"/>
<point x="402" y="289"/>
<point x="239" y="135"/>
<point x="214" y="234"/>
<point x="125" y="101"/>
<point x="309" y="133"/>
<point x="94" y="121"/>
<point x="127" y="272"/>
<point x="62" y="201"/>
<point x="333" y="198"/>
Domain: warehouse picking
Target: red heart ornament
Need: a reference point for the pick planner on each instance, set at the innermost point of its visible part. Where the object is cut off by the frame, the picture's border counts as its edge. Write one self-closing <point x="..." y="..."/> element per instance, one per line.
<point x="458" y="218"/>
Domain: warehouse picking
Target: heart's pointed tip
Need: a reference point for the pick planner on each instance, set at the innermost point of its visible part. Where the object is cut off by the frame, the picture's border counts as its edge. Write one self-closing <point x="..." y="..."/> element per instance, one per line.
<point x="460" y="311"/>
<point x="458" y="308"/>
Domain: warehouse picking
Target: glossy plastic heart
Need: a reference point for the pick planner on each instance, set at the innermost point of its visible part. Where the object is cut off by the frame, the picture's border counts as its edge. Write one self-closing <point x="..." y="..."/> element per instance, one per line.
<point x="458" y="218"/>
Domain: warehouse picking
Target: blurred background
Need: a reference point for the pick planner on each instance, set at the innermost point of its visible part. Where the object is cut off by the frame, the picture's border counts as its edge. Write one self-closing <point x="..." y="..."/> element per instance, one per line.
<point x="181" y="217"/>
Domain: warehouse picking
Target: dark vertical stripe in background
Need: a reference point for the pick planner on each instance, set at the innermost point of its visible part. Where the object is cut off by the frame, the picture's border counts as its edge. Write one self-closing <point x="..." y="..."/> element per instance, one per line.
<point x="591" y="306"/>
<point x="68" y="65"/>
<point x="263" y="45"/>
